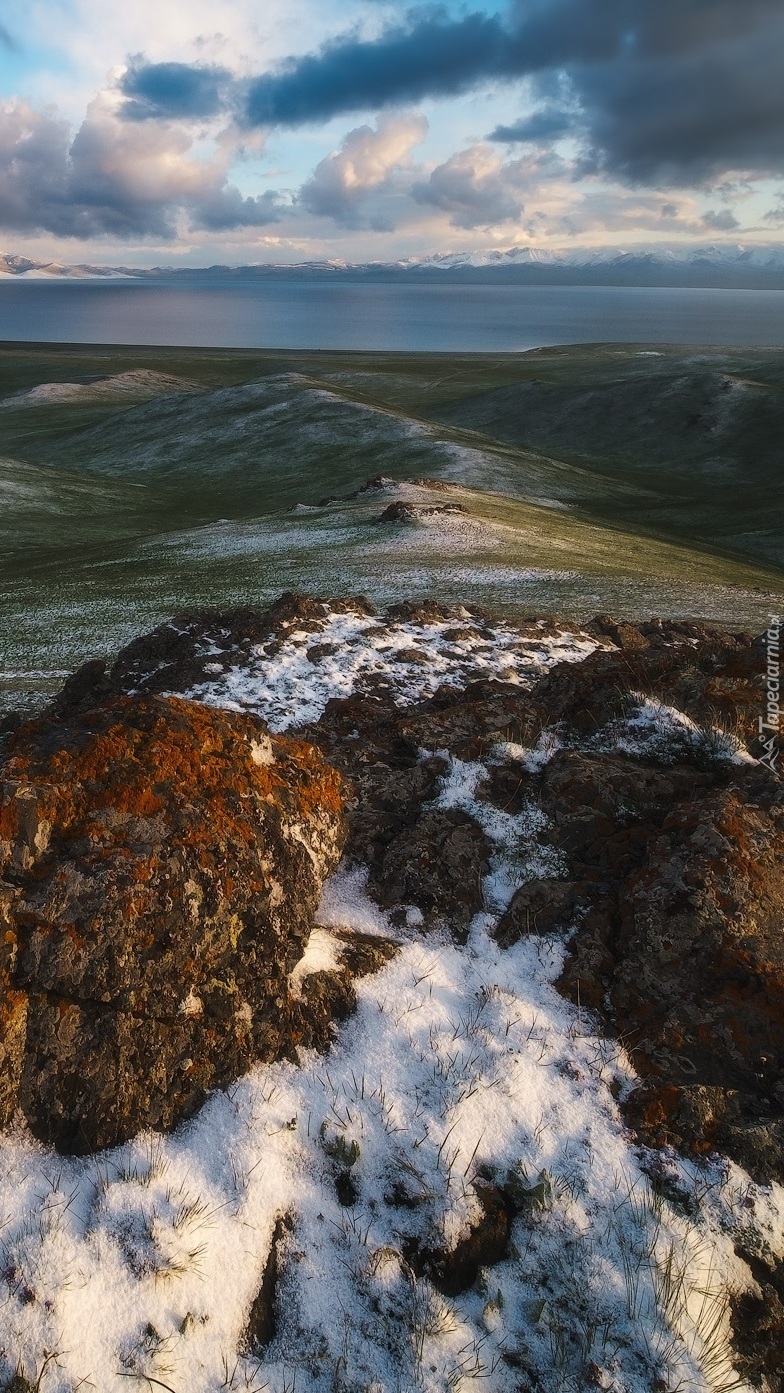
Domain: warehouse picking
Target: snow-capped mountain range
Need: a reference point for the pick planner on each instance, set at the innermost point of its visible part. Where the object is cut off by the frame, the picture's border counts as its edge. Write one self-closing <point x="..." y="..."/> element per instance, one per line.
<point x="716" y="264"/>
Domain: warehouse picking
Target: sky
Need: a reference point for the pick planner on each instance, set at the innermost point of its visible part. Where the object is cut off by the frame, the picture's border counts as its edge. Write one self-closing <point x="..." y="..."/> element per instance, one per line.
<point x="184" y="132"/>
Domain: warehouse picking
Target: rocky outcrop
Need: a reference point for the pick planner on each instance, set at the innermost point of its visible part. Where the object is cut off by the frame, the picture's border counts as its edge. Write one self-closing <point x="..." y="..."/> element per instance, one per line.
<point x="160" y="864"/>
<point x="674" y="890"/>
<point x="714" y="677"/>
<point x="186" y="650"/>
<point x="670" y="880"/>
<point x="410" y="512"/>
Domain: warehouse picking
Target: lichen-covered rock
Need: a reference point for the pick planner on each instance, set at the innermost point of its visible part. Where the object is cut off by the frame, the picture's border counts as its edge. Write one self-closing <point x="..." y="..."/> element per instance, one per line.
<point x="160" y="864"/>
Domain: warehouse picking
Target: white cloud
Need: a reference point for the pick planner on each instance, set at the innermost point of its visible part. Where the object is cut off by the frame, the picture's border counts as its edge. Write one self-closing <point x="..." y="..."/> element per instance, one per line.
<point x="478" y="189"/>
<point x="116" y="178"/>
<point x="364" y="163"/>
<point x="90" y="38"/>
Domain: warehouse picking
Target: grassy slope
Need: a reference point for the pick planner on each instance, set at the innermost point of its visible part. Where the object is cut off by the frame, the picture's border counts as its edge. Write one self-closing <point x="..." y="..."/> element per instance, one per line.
<point x="127" y="502"/>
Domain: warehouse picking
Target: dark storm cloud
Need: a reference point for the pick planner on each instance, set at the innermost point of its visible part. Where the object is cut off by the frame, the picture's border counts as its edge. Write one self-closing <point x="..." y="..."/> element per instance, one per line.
<point x="434" y="57"/>
<point x="674" y="89"/>
<point x="665" y="89"/>
<point x="688" y="115"/>
<point x="541" y="126"/>
<point x="172" y="90"/>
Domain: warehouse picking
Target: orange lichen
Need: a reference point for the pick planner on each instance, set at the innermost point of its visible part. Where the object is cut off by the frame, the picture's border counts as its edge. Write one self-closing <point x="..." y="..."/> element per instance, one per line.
<point x="155" y="758"/>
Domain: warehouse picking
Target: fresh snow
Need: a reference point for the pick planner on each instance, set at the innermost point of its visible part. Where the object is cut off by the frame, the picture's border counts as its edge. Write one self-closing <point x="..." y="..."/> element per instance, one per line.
<point x="138" y="1267"/>
<point x="654" y="728"/>
<point x="410" y="661"/>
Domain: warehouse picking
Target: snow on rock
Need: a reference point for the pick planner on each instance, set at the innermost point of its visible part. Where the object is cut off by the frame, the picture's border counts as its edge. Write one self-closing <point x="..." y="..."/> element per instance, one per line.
<point x="462" y="1067"/>
<point x="331" y="1195"/>
<point x="144" y="1261"/>
<point x="290" y="679"/>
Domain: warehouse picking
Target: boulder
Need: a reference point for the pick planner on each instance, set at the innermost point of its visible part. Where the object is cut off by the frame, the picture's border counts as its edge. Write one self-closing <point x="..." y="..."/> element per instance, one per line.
<point x="436" y="865"/>
<point x="160" y="865"/>
<point x="680" y="945"/>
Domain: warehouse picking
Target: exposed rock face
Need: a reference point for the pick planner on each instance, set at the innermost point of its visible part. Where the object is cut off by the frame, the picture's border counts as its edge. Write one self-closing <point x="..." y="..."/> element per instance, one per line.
<point x="437" y="865"/>
<point x="675" y="884"/>
<point x="710" y="675"/>
<point x="160" y="863"/>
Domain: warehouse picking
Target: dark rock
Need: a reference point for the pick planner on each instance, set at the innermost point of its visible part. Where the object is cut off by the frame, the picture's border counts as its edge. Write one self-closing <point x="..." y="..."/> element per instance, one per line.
<point x="437" y="864"/>
<point x="454" y="1271"/>
<point x="346" y="1189"/>
<point x="377" y="484"/>
<point x="433" y="612"/>
<point x="627" y="637"/>
<point x="680" y="948"/>
<point x="160" y="863"/>
<point x="541" y="907"/>
<point x="327" y="997"/>
<point x="758" y="1322"/>
<point x="412" y="655"/>
<point x="409" y="512"/>
<point x="507" y="786"/>
<point x="262" y="1326"/>
<point x="87" y="685"/>
<point x="703" y="1119"/>
<point x="701" y="952"/>
<point x="317" y="651"/>
<point x="397" y="512"/>
<point x="710" y="675"/>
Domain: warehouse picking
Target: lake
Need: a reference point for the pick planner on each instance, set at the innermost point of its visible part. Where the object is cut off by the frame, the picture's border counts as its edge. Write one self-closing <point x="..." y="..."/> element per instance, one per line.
<point x="348" y="314"/>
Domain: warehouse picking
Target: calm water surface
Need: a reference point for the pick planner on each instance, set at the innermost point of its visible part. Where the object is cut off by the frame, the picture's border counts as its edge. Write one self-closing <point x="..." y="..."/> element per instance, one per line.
<point x="352" y="315"/>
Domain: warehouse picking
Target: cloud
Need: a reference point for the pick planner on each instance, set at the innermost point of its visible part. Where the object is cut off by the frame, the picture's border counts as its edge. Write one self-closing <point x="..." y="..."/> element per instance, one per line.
<point x="364" y="162"/>
<point x="475" y="187"/>
<point x="125" y="180"/>
<point x="431" y="57"/>
<point x="688" y="117"/>
<point x="724" y="221"/>
<point x="172" y="90"/>
<point x="547" y="124"/>
<point x="666" y="90"/>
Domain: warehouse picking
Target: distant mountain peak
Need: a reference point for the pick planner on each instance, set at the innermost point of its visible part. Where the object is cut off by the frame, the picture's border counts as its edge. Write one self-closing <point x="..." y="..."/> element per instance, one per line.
<point x="699" y="264"/>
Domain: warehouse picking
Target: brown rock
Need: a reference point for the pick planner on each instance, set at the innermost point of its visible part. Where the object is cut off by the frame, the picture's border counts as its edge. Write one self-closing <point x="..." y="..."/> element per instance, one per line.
<point x="541" y="907"/>
<point x="627" y="637"/>
<point x="160" y="866"/>
<point x="681" y="949"/>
